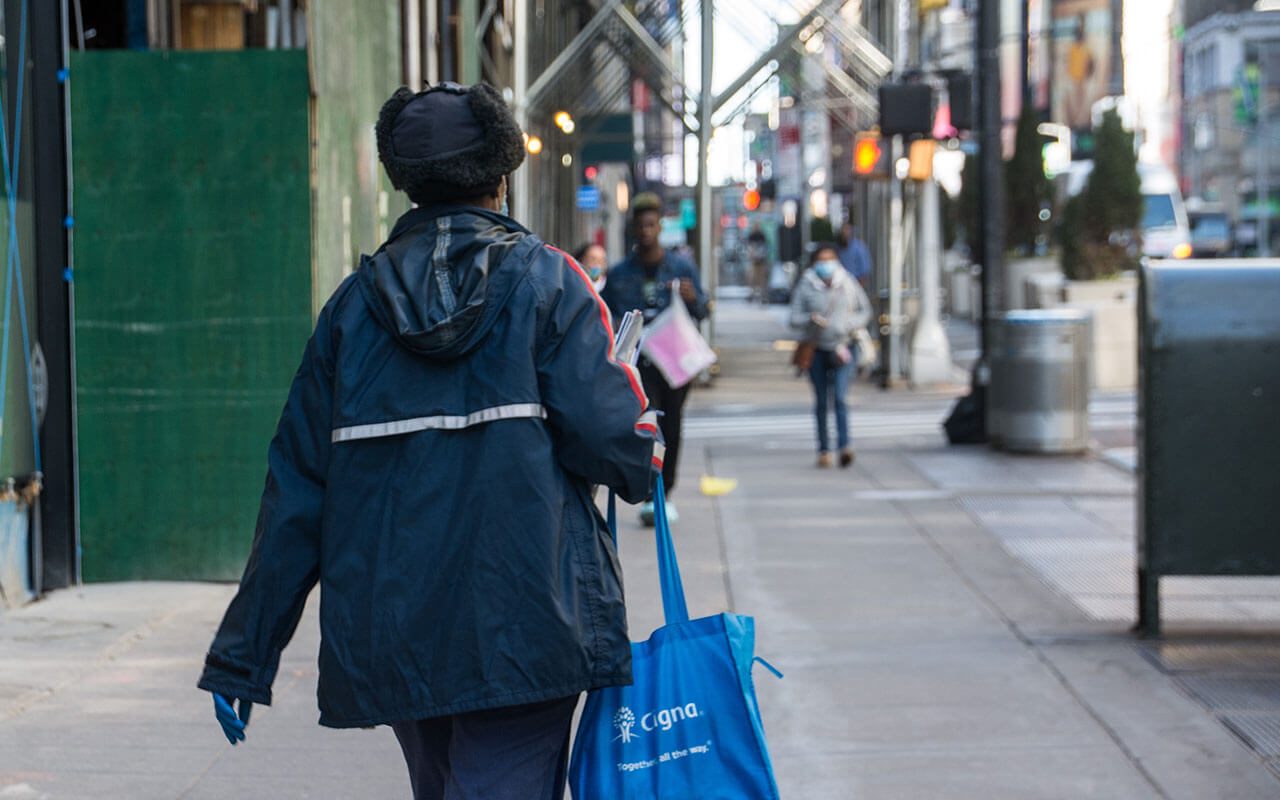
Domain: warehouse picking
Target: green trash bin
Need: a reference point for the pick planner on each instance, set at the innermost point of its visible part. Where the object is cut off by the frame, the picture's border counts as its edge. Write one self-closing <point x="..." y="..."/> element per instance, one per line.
<point x="1209" y="423"/>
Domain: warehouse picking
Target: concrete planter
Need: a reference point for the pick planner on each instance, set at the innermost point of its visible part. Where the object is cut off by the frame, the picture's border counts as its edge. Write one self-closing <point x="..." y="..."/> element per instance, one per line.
<point x="962" y="290"/>
<point x="1045" y="290"/>
<point x="1017" y="273"/>
<point x="1121" y="289"/>
<point x="1114" y="304"/>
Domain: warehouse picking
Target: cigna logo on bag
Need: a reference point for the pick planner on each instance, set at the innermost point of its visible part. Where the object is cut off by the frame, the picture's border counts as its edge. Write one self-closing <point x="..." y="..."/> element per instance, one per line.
<point x="625" y="720"/>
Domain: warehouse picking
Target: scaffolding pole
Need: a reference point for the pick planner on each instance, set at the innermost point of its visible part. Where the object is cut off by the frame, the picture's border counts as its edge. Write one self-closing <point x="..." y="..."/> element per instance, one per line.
<point x="705" y="103"/>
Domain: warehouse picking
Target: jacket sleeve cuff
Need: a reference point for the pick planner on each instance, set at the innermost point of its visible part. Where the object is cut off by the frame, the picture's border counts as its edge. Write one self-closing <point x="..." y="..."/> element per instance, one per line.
<point x="231" y="679"/>
<point x="234" y="689"/>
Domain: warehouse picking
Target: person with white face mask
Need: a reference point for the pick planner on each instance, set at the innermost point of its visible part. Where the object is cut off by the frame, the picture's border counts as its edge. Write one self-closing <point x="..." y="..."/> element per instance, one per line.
<point x="593" y="259"/>
<point x="827" y="306"/>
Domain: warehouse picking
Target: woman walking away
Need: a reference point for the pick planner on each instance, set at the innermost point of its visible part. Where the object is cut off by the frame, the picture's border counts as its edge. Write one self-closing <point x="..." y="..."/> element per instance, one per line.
<point x="432" y="473"/>
<point x="827" y="307"/>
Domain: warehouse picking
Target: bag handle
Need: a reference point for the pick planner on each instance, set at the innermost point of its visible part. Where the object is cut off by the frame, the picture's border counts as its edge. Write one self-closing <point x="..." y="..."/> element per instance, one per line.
<point x="673" y="604"/>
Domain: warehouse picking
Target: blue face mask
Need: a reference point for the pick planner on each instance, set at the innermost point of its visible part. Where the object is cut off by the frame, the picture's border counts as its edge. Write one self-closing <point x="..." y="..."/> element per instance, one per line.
<point x="825" y="268"/>
<point x="594" y="272"/>
<point x="506" y="212"/>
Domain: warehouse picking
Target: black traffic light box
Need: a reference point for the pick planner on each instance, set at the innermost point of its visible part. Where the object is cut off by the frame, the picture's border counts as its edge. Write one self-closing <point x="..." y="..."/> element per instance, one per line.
<point x="960" y="99"/>
<point x="906" y="108"/>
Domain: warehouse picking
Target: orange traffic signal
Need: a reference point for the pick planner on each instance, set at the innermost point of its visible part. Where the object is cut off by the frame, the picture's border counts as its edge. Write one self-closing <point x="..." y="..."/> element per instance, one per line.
<point x="868" y="157"/>
<point x="751" y="199"/>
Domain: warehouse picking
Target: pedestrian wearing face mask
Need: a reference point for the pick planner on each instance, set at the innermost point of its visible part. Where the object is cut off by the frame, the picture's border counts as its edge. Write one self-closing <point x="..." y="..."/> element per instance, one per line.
<point x="827" y="306"/>
<point x="593" y="259"/>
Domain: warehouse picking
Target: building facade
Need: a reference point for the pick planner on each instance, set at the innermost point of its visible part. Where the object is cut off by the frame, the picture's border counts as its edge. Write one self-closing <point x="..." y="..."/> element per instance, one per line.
<point x="1230" y="111"/>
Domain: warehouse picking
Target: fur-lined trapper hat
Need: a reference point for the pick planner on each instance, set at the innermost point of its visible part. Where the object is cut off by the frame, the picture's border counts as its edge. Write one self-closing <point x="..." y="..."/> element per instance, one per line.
<point x="448" y="142"/>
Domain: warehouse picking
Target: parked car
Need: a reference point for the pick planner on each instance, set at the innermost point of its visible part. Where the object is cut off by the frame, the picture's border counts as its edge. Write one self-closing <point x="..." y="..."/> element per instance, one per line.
<point x="1210" y="231"/>
<point x="1165" y="230"/>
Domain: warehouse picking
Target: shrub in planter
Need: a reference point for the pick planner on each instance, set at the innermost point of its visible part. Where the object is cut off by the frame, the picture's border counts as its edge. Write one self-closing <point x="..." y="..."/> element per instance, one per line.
<point x="1099" y="227"/>
<point x="821" y="230"/>
<point x="1026" y="187"/>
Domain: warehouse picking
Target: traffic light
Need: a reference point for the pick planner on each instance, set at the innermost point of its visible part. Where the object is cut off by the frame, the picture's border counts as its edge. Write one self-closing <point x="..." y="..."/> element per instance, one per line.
<point x="906" y="108"/>
<point x="960" y="99"/>
<point x="920" y="159"/>
<point x="751" y="200"/>
<point x="869" y="157"/>
<point x="590" y="173"/>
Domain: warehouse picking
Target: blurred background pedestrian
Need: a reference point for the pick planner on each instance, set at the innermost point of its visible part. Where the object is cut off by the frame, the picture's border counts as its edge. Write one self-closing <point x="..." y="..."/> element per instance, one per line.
<point x="854" y="255"/>
<point x="758" y="252"/>
<point x="594" y="260"/>
<point x="827" y="307"/>
<point x="643" y="281"/>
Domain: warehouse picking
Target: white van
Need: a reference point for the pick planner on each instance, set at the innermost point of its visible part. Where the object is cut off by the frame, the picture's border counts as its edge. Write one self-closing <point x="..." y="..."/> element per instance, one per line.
<point x="1166" y="232"/>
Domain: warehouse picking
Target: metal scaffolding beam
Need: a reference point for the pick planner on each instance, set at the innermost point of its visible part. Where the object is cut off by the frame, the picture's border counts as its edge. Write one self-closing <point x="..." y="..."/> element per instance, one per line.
<point x="786" y="38"/>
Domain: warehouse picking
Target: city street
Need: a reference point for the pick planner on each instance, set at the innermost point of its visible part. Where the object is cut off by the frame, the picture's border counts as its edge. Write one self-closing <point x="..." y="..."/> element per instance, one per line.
<point x="953" y="622"/>
<point x="1060" y="219"/>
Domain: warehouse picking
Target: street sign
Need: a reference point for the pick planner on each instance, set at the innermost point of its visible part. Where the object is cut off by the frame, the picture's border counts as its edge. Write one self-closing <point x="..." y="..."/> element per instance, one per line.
<point x="688" y="213"/>
<point x="588" y="198"/>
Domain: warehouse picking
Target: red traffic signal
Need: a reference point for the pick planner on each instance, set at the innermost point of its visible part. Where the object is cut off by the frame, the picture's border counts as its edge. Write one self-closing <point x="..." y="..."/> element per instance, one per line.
<point x="869" y="158"/>
<point x="751" y="199"/>
<point x="590" y="173"/>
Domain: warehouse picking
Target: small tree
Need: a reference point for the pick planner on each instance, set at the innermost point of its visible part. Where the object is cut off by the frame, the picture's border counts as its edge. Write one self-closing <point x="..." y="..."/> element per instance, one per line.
<point x="1026" y="187"/>
<point x="821" y="230"/>
<point x="1100" y="235"/>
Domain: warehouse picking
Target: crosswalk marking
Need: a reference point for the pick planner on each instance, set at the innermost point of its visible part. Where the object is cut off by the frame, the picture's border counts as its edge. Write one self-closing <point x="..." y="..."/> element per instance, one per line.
<point x="1108" y="414"/>
<point x="860" y="425"/>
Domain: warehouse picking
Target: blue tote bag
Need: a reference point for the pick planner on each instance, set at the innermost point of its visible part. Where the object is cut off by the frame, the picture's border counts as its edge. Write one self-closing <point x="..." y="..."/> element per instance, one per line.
<point x="689" y="727"/>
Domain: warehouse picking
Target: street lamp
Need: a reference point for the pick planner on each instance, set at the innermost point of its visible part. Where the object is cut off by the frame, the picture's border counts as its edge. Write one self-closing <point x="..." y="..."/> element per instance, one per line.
<point x="564" y="122"/>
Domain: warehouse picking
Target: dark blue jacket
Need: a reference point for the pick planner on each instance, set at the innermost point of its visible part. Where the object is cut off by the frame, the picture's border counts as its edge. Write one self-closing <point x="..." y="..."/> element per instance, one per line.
<point x="624" y="290"/>
<point x="432" y="471"/>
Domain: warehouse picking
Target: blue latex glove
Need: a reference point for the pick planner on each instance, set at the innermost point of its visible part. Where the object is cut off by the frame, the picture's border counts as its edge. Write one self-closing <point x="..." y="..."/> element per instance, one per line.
<point x="232" y="724"/>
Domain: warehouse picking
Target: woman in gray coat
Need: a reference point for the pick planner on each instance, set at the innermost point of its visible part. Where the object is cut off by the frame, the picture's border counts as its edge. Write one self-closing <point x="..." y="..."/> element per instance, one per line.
<point x="827" y="306"/>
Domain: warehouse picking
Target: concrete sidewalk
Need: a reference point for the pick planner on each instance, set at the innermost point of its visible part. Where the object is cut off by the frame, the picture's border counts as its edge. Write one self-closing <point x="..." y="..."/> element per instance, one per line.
<point x="952" y="621"/>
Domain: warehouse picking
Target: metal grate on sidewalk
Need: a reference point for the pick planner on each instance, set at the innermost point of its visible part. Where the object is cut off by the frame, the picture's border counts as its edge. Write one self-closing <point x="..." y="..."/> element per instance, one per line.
<point x="1239" y="681"/>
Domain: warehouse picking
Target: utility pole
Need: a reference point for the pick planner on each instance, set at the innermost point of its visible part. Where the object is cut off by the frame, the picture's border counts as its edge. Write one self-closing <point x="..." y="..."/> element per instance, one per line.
<point x="705" y="100"/>
<point x="930" y="350"/>
<point x="897" y="237"/>
<point x="897" y="257"/>
<point x="519" y="95"/>
<point x="991" y="185"/>
<point x="1263" y="144"/>
<point x="56" y="524"/>
<point x="968" y="420"/>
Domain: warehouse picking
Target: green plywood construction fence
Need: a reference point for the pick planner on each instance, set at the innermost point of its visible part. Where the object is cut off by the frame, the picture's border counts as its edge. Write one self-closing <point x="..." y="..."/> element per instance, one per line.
<point x="192" y="298"/>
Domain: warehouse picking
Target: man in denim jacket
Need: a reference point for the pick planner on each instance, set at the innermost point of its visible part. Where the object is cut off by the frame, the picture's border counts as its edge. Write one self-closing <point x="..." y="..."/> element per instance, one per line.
<point x="643" y="281"/>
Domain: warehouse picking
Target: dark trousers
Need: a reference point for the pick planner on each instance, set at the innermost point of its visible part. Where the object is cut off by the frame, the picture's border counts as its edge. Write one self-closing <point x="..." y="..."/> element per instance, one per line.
<point x="830" y="381"/>
<point x="514" y="753"/>
<point x="671" y="403"/>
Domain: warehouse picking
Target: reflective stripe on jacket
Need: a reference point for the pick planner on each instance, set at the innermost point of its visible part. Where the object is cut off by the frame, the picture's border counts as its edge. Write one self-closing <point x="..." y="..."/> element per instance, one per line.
<point x="432" y="472"/>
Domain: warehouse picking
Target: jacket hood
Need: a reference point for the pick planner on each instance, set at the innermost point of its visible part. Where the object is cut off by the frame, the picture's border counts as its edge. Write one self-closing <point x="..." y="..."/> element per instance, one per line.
<point x="443" y="276"/>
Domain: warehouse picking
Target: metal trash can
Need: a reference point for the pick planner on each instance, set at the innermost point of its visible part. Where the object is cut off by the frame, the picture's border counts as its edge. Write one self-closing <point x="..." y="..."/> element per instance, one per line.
<point x="1039" y="396"/>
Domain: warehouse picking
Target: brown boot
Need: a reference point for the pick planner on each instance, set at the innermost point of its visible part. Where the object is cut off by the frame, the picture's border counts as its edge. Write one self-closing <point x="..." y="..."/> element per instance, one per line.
<point x="824" y="459"/>
<point x="846" y="456"/>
